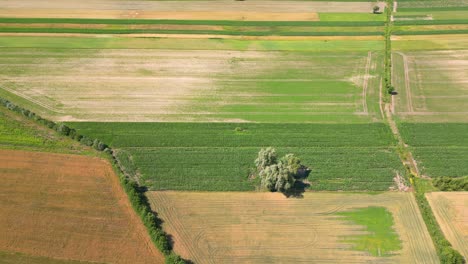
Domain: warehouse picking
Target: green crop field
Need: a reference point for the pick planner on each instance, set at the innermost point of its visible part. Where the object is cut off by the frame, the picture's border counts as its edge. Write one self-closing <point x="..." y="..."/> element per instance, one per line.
<point x="242" y="84"/>
<point x="441" y="149"/>
<point x="191" y="156"/>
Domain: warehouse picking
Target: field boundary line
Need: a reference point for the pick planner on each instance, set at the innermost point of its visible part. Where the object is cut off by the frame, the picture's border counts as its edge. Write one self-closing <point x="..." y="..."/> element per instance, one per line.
<point x="366" y="82"/>
<point x="381" y="99"/>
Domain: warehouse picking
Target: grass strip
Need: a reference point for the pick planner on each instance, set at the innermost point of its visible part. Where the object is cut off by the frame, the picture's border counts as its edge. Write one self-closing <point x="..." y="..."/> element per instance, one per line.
<point x="430" y="22"/>
<point x="195" y="32"/>
<point x="431" y="9"/>
<point x="432" y="32"/>
<point x="189" y="22"/>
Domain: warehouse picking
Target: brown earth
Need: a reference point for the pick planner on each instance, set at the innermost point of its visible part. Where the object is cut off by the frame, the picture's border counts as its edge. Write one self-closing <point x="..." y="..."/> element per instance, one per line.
<point x="68" y="207"/>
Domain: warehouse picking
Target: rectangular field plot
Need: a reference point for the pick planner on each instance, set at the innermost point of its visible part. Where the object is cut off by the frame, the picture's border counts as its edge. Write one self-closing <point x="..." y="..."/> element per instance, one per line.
<point x="269" y="228"/>
<point x="194" y="85"/>
<point x="432" y="85"/>
<point x="192" y="10"/>
<point x="451" y="212"/>
<point x="214" y="156"/>
<point x="67" y="207"/>
<point x="441" y="149"/>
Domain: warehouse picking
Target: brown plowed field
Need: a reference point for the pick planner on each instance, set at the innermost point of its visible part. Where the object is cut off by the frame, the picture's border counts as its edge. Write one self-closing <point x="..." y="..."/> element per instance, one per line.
<point x="68" y="207"/>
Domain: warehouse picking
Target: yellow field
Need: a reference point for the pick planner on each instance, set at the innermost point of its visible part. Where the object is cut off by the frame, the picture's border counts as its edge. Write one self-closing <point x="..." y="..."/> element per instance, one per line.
<point x="267" y="227"/>
<point x="451" y="212"/>
<point x="257" y="10"/>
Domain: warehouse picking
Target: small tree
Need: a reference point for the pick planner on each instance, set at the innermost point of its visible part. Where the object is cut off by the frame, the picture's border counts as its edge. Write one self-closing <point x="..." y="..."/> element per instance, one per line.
<point x="277" y="175"/>
<point x="376" y="9"/>
<point x="266" y="157"/>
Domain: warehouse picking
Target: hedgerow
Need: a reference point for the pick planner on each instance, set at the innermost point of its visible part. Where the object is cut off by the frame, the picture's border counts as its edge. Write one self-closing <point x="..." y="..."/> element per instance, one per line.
<point x="134" y="192"/>
<point x="445" y="251"/>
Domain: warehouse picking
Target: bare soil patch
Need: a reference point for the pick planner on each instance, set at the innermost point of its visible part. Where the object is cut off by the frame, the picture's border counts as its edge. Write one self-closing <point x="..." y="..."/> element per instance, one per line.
<point x="68" y="207"/>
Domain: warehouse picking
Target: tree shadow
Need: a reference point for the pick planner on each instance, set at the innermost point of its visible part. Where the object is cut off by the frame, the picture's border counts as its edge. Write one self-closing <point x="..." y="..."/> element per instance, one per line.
<point x="300" y="185"/>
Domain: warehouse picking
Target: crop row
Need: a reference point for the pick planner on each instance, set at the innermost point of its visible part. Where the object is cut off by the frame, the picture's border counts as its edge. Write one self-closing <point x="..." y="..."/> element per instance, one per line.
<point x="429" y="22"/>
<point x="441" y="149"/>
<point x="219" y="157"/>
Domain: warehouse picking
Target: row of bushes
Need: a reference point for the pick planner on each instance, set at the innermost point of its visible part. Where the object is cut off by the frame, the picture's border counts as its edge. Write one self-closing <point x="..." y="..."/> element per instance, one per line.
<point x="388" y="49"/>
<point x="451" y="184"/>
<point x="445" y="251"/>
<point x="134" y="192"/>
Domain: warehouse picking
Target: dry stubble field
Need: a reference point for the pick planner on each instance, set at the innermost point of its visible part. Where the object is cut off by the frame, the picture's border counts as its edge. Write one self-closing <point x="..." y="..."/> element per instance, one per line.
<point x="267" y="227"/>
<point x="190" y="10"/>
<point x="194" y="85"/>
<point x="451" y="212"/>
<point x="68" y="207"/>
<point x="432" y="85"/>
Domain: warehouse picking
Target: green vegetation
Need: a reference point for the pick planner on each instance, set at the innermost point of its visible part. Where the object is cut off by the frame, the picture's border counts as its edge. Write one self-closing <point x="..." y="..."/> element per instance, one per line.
<point x="17" y="132"/>
<point x="216" y="157"/>
<point x="190" y="44"/>
<point x="381" y="239"/>
<point x="278" y="174"/>
<point x="451" y="184"/>
<point x="341" y="20"/>
<point x="441" y="149"/>
<point x="330" y="31"/>
<point x="446" y="253"/>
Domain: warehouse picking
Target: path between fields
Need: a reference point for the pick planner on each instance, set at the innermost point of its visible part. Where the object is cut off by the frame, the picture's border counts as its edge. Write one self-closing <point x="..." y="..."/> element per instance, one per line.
<point x="366" y="82"/>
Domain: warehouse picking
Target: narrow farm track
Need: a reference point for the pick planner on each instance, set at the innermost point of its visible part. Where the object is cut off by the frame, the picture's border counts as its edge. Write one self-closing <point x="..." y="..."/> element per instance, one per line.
<point x="366" y="82"/>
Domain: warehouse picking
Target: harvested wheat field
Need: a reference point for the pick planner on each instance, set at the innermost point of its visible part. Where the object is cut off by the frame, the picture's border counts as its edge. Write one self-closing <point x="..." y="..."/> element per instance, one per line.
<point x="451" y="212"/>
<point x="68" y="207"/>
<point x="232" y="227"/>
<point x="192" y="10"/>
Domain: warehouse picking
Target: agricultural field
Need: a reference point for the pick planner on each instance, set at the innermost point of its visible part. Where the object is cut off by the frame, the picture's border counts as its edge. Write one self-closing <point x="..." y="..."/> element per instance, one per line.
<point x="191" y="85"/>
<point x="432" y="85"/>
<point x="267" y="227"/>
<point x="441" y="149"/>
<point x="450" y="211"/>
<point x="89" y="217"/>
<point x="219" y="157"/>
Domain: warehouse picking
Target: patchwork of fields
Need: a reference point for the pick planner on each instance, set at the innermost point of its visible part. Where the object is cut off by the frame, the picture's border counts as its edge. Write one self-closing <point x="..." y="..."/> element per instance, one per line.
<point x="450" y="211"/>
<point x="267" y="227"/>
<point x="88" y="217"/>
<point x="187" y="92"/>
